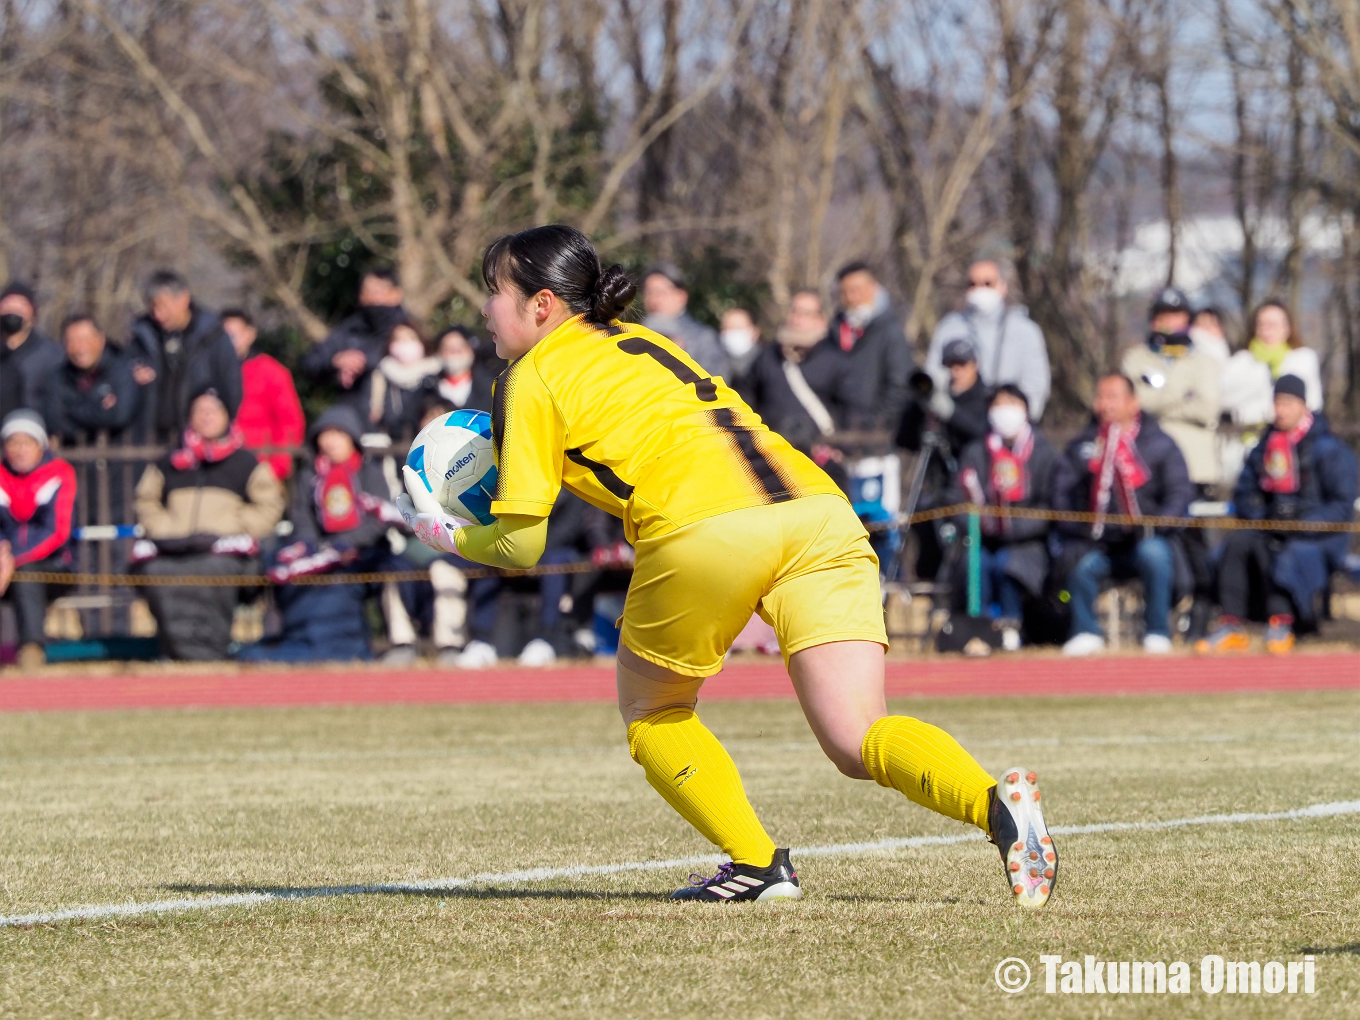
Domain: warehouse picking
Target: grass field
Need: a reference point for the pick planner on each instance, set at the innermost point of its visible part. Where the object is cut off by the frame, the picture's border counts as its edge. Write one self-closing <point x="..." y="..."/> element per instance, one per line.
<point x="139" y="806"/>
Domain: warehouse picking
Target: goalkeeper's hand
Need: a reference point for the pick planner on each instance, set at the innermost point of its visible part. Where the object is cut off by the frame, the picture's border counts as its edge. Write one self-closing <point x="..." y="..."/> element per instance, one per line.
<point x="431" y="523"/>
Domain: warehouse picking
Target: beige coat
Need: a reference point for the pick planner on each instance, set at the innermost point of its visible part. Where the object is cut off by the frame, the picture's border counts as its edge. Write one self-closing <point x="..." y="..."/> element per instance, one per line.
<point x="1183" y="394"/>
<point x="238" y="496"/>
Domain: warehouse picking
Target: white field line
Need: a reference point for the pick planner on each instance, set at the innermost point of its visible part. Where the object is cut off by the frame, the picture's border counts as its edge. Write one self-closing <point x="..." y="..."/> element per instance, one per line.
<point x="439" y="754"/>
<point x="105" y="911"/>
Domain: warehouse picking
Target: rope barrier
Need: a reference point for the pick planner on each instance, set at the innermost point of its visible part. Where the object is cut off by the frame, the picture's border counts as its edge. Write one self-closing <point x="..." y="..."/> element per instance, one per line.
<point x="584" y="567"/>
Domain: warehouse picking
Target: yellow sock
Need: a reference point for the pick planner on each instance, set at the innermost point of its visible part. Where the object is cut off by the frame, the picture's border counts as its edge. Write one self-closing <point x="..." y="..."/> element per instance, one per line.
<point x="929" y="766"/>
<point x="694" y="773"/>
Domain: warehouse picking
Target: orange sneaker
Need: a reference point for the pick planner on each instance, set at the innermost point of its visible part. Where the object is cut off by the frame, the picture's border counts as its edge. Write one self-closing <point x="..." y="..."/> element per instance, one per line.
<point x="1280" y="635"/>
<point x="1228" y="639"/>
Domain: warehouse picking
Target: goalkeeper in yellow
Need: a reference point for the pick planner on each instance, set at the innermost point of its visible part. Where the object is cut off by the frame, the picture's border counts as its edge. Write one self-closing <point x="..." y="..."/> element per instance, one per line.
<point x="727" y="519"/>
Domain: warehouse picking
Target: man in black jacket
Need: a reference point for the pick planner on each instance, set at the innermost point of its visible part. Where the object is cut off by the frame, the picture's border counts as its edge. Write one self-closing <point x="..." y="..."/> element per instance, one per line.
<point x="92" y="390"/>
<point x="350" y="353"/>
<point x="870" y="332"/>
<point x="179" y="349"/>
<point x="1125" y="465"/>
<point x="27" y="357"/>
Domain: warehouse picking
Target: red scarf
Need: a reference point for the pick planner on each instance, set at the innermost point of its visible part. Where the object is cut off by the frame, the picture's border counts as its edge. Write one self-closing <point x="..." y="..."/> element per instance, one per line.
<point x="1118" y="468"/>
<point x="849" y="336"/>
<point x="197" y="450"/>
<point x="1008" y="480"/>
<point x="337" y="495"/>
<point x="1281" y="461"/>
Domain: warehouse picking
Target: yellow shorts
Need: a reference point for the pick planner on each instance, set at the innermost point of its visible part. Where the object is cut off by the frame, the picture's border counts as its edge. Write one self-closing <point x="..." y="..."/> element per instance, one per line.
<point x="805" y="566"/>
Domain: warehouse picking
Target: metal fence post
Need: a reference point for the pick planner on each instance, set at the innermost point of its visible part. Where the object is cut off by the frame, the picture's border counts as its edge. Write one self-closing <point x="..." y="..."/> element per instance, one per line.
<point x="974" y="563"/>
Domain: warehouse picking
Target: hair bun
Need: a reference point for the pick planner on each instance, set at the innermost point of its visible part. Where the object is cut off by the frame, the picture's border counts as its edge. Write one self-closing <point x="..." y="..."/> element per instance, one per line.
<point x="614" y="292"/>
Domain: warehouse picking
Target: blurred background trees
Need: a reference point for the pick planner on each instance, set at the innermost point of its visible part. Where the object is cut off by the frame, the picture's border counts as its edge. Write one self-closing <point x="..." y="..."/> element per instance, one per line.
<point x="271" y="149"/>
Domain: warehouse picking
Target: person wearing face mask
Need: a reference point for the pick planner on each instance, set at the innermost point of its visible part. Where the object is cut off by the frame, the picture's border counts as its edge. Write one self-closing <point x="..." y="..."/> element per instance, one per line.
<point x="740" y="338"/>
<point x="1178" y="384"/>
<point x="348" y="357"/>
<point x="1010" y="346"/>
<point x="665" y="296"/>
<point x="1208" y="337"/>
<point x="798" y="384"/>
<point x="27" y="357"/>
<point x="869" y="331"/>
<point x="398" y="384"/>
<point x="1012" y="466"/>
<point x="271" y="414"/>
<point x="466" y="373"/>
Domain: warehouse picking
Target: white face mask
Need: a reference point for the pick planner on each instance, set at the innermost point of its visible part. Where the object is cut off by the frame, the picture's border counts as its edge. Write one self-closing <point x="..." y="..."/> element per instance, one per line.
<point x="985" y="300"/>
<point x="456" y="365"/>
<point x="407" y="350"/>
<point x="1007" y="420"/>
<point x="737" y="341"/>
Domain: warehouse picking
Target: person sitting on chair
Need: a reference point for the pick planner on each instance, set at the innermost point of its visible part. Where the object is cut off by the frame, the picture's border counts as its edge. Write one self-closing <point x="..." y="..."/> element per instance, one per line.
<point x="1299" y="471"/>
<point x="1012" y="467"/>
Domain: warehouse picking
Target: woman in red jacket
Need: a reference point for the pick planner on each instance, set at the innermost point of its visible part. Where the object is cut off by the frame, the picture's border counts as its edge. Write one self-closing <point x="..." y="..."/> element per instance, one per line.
<point x="270" y="414"/>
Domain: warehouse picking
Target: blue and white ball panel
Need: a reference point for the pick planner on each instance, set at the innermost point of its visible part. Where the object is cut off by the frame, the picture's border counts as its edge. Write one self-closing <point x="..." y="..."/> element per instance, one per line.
<point x="455" y="458"/>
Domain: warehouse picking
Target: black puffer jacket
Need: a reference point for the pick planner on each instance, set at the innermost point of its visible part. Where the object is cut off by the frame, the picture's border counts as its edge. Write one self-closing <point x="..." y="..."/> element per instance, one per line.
<point x="78" y="404"/>
<point x="25" y="372"/>
<point x="880" y="367"/>
<point x="826" y="370"/>
<point x="1168" y="491"/>
<point x="201" y="357"/>
<point x="366" y="331"/>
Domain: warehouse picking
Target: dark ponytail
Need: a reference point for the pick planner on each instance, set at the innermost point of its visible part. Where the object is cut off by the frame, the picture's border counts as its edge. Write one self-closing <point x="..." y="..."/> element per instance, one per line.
<point x="561" y="259"/>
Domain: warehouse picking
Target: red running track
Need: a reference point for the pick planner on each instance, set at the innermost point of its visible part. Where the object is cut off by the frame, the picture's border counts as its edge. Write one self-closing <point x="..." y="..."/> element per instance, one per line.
<point x="936" y="678"/>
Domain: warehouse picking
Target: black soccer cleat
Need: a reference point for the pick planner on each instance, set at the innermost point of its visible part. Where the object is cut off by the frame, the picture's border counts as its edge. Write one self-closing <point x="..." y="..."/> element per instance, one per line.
<point x="737" y="882"/>
<point x="1015" y="824"/>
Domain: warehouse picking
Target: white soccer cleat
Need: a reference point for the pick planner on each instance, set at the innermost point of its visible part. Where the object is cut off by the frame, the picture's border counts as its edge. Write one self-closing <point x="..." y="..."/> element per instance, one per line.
<point x="1017" y="828"/>
<point x="1084" y="644"/>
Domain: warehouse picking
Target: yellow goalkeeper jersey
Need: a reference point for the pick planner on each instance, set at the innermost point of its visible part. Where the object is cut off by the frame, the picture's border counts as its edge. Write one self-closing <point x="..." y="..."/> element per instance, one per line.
<point x="629" y="422"/>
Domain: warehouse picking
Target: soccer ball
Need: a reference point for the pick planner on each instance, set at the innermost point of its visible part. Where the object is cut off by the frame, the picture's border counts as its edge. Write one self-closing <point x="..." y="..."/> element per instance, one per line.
<point x="454" y="457"/>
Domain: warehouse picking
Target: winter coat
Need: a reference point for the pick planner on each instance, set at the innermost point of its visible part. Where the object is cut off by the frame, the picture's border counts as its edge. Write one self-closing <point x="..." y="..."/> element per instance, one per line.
<point x="699" y="341"/>
<point x="826" y="370"/>
<point x="1010" y="349"/>
<point x="1329" y="482"/>
<point x="36" y="509"/>
<point x="25" y="372"/>
<point x="1183" y="394"/>
<point x="304" y="513"/>
<point x="1026" y="538"/>
<point x="880" y="367"/>
<point x="478" y="397"/>
<point x="395" y="394"/>
<point x="270" y="414"/>
<point x="1168" y="491"/>
<point x="237" y="495"/>
<point x="74" y="405"/>
<point x="964" y="418"/>
<point x="366" y="331"/>
<point x="186" y="364"/>
<point x="1248" y="389"/>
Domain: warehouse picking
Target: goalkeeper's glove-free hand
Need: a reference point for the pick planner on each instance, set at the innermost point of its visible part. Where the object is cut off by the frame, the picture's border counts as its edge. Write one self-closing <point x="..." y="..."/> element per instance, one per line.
<point x="430" y="522"/>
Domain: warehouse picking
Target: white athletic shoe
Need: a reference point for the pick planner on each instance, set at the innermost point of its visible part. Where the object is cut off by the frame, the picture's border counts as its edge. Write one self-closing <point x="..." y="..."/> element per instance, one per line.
<point x="1010" y="639"/>
<point x="477" y="655"/>
<point x="1017" y="828"/>
<point x="537" y="653"/>
<point x="1084" y="644"/>
<point x="1157" y="644"/>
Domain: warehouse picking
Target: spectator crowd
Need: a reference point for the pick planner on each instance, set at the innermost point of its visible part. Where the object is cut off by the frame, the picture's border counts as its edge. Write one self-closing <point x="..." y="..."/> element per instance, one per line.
<point x="247" y="488"/>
